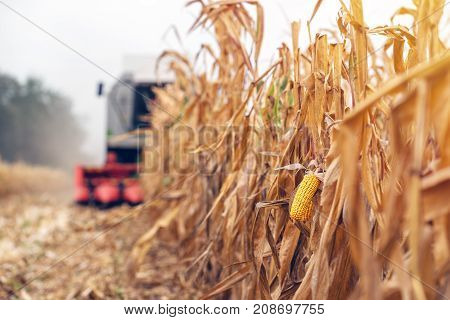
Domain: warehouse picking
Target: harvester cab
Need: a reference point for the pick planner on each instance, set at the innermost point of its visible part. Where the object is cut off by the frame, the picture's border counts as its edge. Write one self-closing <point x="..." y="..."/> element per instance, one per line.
<point x="129" y="105"/>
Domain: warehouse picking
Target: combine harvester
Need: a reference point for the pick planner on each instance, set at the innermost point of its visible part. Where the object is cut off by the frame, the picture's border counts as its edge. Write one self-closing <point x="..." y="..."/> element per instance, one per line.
<point x="128" y="115"/>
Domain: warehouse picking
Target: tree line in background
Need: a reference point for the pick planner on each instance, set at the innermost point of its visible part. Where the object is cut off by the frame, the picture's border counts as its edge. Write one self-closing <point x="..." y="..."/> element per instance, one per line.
<point x="37" y="125"/>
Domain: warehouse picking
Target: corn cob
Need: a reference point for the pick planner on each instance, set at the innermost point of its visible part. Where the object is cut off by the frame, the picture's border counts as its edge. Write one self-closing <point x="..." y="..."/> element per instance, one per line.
<point x="301" y="207"/>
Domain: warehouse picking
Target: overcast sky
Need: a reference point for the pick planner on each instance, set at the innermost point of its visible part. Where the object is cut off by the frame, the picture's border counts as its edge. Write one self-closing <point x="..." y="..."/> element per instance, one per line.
<point x="106" y="30"/>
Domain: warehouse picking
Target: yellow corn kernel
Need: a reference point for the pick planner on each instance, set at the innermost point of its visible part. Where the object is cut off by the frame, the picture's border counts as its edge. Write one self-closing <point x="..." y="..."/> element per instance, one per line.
<point x="301" y="207"/>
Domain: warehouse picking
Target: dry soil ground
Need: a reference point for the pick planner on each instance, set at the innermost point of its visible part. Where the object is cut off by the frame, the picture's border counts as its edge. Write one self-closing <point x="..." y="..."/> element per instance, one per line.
<point x="53" y="249"/>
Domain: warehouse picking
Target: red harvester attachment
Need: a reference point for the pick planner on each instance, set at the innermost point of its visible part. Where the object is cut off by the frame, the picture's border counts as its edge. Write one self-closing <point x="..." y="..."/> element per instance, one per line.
<point x="112" y="184"/>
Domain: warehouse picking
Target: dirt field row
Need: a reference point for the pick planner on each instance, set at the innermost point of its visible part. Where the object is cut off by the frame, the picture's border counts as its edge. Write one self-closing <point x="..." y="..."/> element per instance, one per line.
<point x="52" y="249"/>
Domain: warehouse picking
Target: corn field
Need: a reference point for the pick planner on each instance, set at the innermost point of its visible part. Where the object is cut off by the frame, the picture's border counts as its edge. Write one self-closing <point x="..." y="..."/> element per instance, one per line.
<point x="371" y="125"/>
